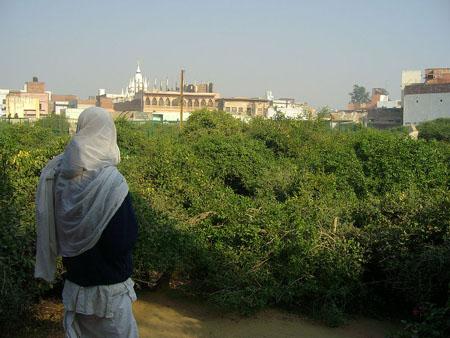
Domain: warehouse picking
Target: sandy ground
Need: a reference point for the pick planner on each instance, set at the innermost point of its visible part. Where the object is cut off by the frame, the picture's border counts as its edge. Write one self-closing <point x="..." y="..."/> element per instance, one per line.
<point x="163" y="315"/>
<point x="166" y="314"/>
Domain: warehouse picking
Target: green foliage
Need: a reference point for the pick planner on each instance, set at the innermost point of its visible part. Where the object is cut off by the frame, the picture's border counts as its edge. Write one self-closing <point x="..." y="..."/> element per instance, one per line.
<point x="283" y="212"/>
<point x="429" y="321"/>
<point x="438" y="129"/>
<point x="57" y="123"/>
<point x="324" y="113"/>
<point x="359" y="94"/>
<point x="24" y="150"/>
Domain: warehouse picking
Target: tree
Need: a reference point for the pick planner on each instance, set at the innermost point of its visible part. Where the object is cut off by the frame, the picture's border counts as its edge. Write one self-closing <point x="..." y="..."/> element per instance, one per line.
<point x="324" y="112"/>
<point x="359" y="95"/>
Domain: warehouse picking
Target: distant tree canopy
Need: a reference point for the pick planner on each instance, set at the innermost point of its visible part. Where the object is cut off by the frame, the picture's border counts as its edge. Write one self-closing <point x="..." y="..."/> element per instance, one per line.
<point x="359" y="95"/>
<point x="324" y="112"/>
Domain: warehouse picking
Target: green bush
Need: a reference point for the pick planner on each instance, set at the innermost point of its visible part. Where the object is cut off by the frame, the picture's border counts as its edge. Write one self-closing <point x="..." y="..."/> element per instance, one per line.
<point x="24" y="150"/>
<point x="285" y="212"/>
<point x="438" y="129"/>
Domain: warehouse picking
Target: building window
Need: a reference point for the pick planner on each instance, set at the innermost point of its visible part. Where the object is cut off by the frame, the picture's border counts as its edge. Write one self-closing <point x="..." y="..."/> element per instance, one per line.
<point x="190" y="103"/>
<point x="167" y="102"/>
<point x="440" y="100"/>
<point x="233" y="109"/>
<point x="4" y="101"/>
<point x="175" y="102"/>
<point x="154" y="102"/>
<point x="161" y="102"/>
<point x="196" y="103"/>
<point x="147" y="101"/>
<point x="203" y="103"/>
<point x="210" y="103"/>
<point x="40" y="106"/>
<point x="249" y="110"/>
<point x="227" y="109"/>
<point x="241" y="110"/>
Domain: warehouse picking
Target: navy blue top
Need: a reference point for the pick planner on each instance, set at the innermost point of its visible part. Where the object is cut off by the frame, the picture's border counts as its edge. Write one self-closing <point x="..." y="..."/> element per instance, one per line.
<point x="109" y="261"/>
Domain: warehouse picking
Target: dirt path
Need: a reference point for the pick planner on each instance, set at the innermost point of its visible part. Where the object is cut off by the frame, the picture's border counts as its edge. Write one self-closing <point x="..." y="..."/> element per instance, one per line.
<point x="164" y="315"/>
<point x="168" y="315"/>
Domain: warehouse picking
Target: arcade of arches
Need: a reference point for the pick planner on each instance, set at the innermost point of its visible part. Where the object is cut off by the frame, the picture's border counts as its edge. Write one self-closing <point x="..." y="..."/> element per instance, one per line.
<point x="166" y="101"/>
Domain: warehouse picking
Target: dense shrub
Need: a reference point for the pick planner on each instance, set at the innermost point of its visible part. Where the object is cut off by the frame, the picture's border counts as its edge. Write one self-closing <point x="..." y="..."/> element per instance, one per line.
<point x="24" y="150"/>
<point x="438" y="129"/>
<point x="280" y="212"/>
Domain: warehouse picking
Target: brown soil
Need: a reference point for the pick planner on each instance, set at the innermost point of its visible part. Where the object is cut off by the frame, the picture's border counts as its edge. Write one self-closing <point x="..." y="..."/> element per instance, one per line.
<point x="163" y="314"/>
<point x="166" y="314"/>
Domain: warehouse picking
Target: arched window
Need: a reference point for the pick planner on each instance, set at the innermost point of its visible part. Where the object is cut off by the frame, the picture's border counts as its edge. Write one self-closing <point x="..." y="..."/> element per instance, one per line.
<point x="147" y="101"/>
<point x="161" y="101"/>
<point x="167" y="102"/>
<point x="175" y="102"/>
<point x="189" y="103"/>
<point x="154" y="102"/>
<point x="210" y="103"/>
<point x="203" y="103"/>
<point x="196" y="104"/>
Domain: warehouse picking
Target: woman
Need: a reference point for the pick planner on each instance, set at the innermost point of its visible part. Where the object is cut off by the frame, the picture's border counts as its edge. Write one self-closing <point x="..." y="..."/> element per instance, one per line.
<point x="84" y="214"/>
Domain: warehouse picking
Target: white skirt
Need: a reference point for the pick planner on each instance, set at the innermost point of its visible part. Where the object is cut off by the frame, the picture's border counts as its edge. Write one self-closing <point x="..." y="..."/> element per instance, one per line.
<point x="99" y="311"/>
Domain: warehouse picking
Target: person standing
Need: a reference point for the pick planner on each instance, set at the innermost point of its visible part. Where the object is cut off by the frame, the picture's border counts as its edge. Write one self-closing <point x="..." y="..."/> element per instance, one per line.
<point x="84" y="214"/>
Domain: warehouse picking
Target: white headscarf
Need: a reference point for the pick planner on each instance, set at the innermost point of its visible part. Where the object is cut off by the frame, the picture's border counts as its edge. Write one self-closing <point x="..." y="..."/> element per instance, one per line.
<point x="79" y="192"/>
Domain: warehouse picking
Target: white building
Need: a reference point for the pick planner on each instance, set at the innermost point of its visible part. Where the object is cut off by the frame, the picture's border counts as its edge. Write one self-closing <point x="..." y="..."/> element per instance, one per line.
<point x="384" y="102"/>
<point x="115" y="97"/>
<point x="3" y="93"/>
<point x="165" y="116"/>
<point x="137" y="83"/>
<point x="73" y="113"/>
<point x="287" y="107"/>
<point x="410" y="77"/>
<point x="425" y="102"/>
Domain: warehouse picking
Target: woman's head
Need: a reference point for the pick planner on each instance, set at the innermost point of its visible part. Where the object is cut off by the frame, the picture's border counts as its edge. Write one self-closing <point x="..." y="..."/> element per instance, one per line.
<point x="94" y="146"/>
<point x="95" y="117"/>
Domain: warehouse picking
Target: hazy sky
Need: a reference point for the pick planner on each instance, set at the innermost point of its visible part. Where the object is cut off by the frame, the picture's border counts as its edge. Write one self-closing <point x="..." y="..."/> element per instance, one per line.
<point x="313" y="51"/>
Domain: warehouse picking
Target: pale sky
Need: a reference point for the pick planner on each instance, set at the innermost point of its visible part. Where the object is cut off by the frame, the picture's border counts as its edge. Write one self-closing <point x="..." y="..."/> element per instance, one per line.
<point x="313" y="51"/>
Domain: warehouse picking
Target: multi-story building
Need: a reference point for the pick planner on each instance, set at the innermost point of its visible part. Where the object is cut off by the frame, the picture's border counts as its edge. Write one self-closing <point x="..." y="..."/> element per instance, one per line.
<point x="165" y="105"/>
<point x="410" y="77"/>
<point x="244" y="108"/>
<point x="33" y="102"/>
<point x="86" y="103"/>
<point x="104" y="102"/>
<point x="59" y="103"/>
<point x="437" y="75"/>
<point x="424" y="102"/>
<point x="385" y="102"/>
<point x="289" y="108"/>
<point x="3" y="94"/>
<point x="382" y="118"/>
<point x="163" y="102"/>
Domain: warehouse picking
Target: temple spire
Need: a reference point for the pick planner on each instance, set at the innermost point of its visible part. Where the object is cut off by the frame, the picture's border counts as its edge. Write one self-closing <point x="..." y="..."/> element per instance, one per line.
<point x="138" y="70"/>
